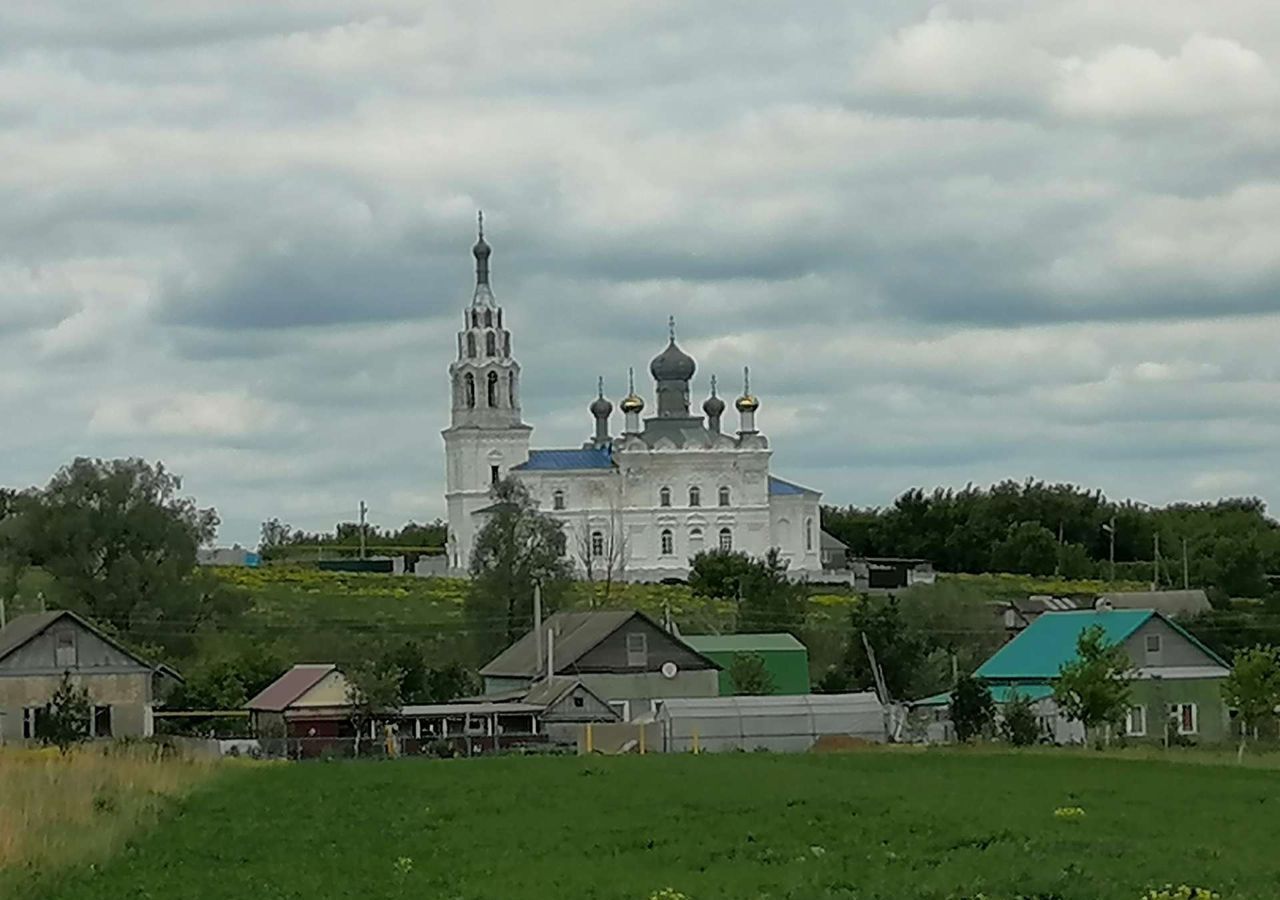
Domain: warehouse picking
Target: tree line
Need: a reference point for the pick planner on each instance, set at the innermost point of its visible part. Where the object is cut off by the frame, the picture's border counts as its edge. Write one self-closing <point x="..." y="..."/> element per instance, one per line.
<point x="1229" y="546"/>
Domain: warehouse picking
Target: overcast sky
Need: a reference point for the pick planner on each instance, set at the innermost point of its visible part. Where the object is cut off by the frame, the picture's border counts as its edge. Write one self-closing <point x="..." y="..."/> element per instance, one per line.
<point x="955" y="242"/>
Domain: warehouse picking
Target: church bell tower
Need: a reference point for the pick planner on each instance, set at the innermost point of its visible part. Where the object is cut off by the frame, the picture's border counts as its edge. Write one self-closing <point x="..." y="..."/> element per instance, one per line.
<point x="486" y="436"/>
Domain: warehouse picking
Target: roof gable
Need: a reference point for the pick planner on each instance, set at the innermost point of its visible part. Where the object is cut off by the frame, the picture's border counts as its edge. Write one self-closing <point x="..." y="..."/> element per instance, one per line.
<point x="1040" y="650"/>
<point x="289" y="687"/>
<point x="24" y="629"/>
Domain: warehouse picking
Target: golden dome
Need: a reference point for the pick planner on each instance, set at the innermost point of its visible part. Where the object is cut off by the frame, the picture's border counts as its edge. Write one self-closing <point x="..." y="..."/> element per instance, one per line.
<point x="747" y="403"/>
<point x="631" y="403"/>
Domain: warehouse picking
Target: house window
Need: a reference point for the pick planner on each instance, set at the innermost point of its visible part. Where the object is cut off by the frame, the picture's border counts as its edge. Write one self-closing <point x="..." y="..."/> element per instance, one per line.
<point x="495" y="474"/>
<point x="726" y="539"/>
<point x="664" y="497"/>
<point x="808" y="534"/>
<point x="668" y="542"/>
<point x="493" y="388"/>
<point x="637" y="649"/>
<point x="1187" y="717"/>
<point x="695" y="496"/>
<point x="491" y="344"/>
<point x="31" y="721"/>
<point x="471" y="344"/>
<point x="470" y="381"/>
<point x="597" y="544"/>
<point x="102" y="721"/>
<point x="695" y="534"/>
<point x="64" y="652"/>
<point x="724" y="496"/>
<point x="557" y="500"/>
<point x="1153" y="648"/>
<point x="579" y="702"/>
<point x="1136" y="721"/>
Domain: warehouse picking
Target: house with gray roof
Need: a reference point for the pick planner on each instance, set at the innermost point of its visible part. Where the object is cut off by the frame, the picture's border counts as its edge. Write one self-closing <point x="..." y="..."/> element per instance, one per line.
<point x="621" y="656"/>
<point x="37" y="650"/>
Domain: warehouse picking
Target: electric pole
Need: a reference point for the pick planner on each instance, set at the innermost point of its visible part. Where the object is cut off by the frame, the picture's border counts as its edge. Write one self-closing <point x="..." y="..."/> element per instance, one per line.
<point x="1186" y="571"/>
<point x="1155" y="565"/>
<point x="364" y="509"/>
<point x="1110" y="528"/>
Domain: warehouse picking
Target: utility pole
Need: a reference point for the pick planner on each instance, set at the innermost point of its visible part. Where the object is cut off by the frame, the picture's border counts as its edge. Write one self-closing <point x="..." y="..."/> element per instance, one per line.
<point x="537" y="621"/>
<point x="1110" y="528"/>
<point x="2" y="618"/>
<point x="1057" y="563"/>
<point x="1186" y="571"/>
<point x="364" y="509"/>
<point x="1155" y="565"/>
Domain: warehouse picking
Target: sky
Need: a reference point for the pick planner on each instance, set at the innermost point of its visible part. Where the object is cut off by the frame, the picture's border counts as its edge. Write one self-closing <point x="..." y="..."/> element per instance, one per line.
<point x="955" y="242"/>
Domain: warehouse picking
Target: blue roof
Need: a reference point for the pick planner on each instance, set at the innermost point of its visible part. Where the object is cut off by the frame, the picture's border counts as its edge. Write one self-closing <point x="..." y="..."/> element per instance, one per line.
<point x="1048" y="642"/>
<point x="590" y="458"/>
<point x="778" y="486"/>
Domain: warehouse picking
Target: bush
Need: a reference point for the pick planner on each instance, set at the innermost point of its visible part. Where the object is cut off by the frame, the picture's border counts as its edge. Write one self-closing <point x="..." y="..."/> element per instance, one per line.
<point x="1020" y="725"/>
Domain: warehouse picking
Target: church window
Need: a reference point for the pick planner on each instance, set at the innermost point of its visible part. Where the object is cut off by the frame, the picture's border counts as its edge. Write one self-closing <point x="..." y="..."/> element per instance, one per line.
<point x="695" y="496"/>
<point x="724" y="496"/>
<point x="808" y="534"/>
<point x="695" y="534"/>
<point x="506" y="344"/>
<point x="557" y="500"/>
<point x="664" y="497"/>
<point x="597" y="544"/>
<point x="471" y="344"/>
<point x="490" y="344"/>
<point x="488" y="318"/>
<point x="668" y="542"/>
<point x="493" y="388"/>
<point x="511" y="389"/>
<point x="499" y="318"/>
<point x="470" y="381"/>
<point x="726" y="540"/>
<point x="495" y="474"/>
<point x="475" y="319"/>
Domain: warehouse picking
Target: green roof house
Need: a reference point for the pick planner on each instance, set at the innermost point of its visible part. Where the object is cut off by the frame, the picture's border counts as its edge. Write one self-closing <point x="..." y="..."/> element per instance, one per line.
<point x="784" y="657"/>
<point x="1175" y="678"/>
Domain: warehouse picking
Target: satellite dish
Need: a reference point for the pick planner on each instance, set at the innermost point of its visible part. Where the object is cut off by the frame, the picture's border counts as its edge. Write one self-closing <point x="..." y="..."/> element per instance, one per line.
<point x="670" y="669"/>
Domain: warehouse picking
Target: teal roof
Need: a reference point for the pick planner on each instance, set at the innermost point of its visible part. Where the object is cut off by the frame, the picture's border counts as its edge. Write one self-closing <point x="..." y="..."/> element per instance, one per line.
<point x="741" y="643"/>
<point x="1043" y="646"/>
<point x="1000" y="693"/>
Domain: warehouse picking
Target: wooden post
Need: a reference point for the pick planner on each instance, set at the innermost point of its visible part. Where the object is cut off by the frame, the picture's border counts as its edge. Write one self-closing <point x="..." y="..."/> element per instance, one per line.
<point x="641" y="739"/>
<point x="591" y="745"/>
<point x="696" y="749"/>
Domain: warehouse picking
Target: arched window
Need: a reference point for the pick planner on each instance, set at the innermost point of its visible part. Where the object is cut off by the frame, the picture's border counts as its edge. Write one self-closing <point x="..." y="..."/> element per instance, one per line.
<point x="597" y="543"/>
<point x="511" y="389"/>
<point x="488" y="318"/>
<point x="664" y="497"/>
<point x="475" y="319"/>
<point x="470" y="382"/>
<point x="724" y="496"/>
<point x="499" y="318"/>
<point x="490" y="344"/>
<point x="668" y="542"/>
<point x="557" y="500"/>
<point x="471" y="344"/>
<point x="506" y="343"/>
<point x="493" y="388"/>
<point x="808" y="534"/>
<point x="695" y="496"/>
<point x="695" y="536"/>
<point x="726" y="540"/>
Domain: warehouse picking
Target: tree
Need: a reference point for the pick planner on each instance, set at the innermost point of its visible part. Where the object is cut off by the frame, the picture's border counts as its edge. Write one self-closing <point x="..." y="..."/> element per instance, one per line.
<point x="750" y="675"/>
<point x="1253" y="689"/>
<point x="900" y="649"/>
<point x="602" y="547"/>
<point x="65" y="722"/>
<point x="972" y="710"/>
<point x="1029" y="548"/>
<point x="372" y="690"/>
<point x="516" y="549"/>
<point x="1094" y="688"/>
<point x="1019" y="723"/>
<point x="719" y="573"/>
<point x="119" y="539"/>
<point x="770" y="600"/>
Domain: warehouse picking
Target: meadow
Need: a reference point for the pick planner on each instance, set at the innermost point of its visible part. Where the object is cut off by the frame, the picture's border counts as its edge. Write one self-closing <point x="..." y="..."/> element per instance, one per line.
<point x="892" y="825"/>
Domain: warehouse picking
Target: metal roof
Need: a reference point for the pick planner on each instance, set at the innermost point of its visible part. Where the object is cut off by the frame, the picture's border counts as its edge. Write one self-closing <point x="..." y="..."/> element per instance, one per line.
<point x="714" y="707"/>
<point x="1171" y="603"/>
<point x="280" y="694"/>
<point x="22" y="629"/>
<point x="780" y="487"/>
<point x="742" y="643"/>
<point x="1000" y="693"/>
<point x="1040" y="650"/>
<point x="475" y="709"/>
<point x="550" y="460"/>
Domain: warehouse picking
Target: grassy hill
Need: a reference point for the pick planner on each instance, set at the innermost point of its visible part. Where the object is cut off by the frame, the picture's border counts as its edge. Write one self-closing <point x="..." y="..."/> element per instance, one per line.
<point x="906" y="825"/>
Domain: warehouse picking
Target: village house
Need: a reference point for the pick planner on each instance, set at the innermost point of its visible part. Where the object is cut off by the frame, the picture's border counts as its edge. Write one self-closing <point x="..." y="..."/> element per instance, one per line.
<point x="37" y="650"/>
<point x="1018" y="613"/>
<point x="1175" y="681"/>
<point x="621" y="656"/>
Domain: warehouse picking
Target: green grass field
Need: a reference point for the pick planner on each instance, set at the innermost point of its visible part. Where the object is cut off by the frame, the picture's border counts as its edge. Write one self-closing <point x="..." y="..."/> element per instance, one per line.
<point x="890" y="825"/>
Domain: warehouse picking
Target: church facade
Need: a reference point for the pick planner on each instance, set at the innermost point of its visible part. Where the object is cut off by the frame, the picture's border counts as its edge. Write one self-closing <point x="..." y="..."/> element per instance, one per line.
<point x="637" y="505"/>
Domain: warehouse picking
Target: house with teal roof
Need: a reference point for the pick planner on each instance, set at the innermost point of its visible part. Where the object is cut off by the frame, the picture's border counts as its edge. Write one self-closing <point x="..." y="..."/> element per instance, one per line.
<point x="1176" y="680"/>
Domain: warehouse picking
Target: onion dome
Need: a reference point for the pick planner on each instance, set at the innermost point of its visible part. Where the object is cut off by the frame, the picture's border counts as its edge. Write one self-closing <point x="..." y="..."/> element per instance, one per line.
<point x="672" y="364"/>
<point x="481" y="252"/>
<point x="632" y="403"/>
<point x="600" y="407"/>
<point x="747" y="402"/>
<point x="713" y="406"/>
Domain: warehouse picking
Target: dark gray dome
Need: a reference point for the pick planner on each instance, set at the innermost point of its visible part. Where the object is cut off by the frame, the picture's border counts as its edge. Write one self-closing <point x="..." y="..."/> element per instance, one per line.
<point x="672" y="364"/>
<point x="713" y="406"/>
<point x="601" y="408"/>
<point x="481" y="250"/>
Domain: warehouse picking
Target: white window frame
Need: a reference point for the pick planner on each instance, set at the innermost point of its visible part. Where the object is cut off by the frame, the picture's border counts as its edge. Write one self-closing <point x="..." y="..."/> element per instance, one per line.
<point x="724" y="497"/>
<point x="30" y="715"/>
<point x="664" y="496"/>
<point x="1136" y="726"/>
<point x="667" y="542"/>
<point x="637" y="649"/>
<point x="597" y="544"/>
<point x="622" y="708"/>
<point x="695" y="495"/>
<point x="725" y="540"/>
<point x="1176" y="709"/>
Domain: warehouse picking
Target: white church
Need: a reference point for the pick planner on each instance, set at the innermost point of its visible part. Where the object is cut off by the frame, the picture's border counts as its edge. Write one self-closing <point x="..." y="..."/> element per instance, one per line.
<point x="639" y="505"/>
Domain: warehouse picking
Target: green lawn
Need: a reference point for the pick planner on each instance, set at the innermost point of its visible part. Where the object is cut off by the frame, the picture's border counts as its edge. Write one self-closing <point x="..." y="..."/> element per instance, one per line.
<point x="888" y="825"/>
